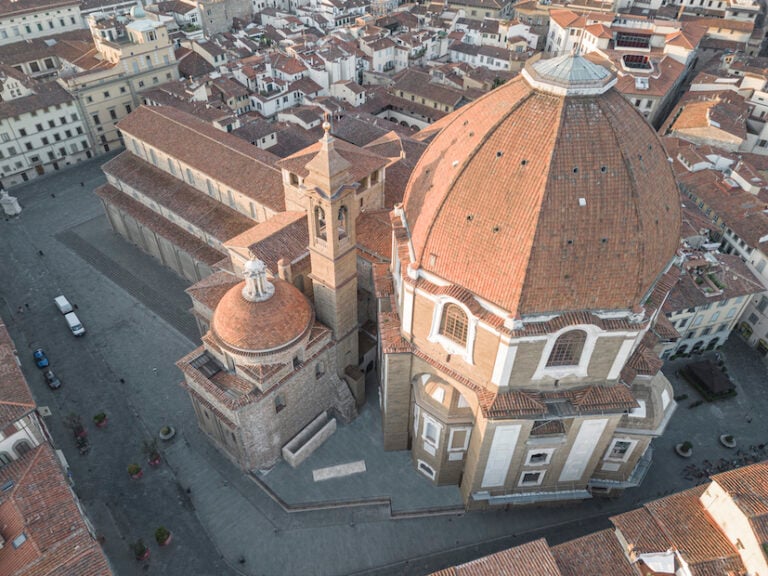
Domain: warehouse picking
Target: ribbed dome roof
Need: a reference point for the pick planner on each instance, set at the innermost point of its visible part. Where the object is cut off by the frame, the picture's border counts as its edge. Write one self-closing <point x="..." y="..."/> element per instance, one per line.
<point x="539" y="201"/>
<point x="245" y="327"/>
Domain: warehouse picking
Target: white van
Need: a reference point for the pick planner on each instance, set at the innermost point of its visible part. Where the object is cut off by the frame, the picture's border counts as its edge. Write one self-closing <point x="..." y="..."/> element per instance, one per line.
<point x="74" y="324"/>
<point x="63" y="304"/>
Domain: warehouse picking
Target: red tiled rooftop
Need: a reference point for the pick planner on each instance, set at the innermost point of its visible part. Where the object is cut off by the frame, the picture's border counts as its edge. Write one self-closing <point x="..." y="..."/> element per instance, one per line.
<point x="473" y="199"/>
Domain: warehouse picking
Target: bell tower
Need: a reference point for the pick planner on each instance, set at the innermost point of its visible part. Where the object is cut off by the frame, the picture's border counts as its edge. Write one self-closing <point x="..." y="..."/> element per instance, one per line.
<point x="332" y="246"/>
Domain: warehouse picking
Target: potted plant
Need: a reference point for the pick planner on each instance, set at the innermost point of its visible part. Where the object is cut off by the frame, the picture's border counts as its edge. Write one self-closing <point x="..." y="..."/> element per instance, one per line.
<point x="100" y="420"/>
<point x="140" y="550"/>
<point x="153" y="454"/>
<point x="135" y="471"/>
<point x="728" y="440"/>
<point x="75" y="423"/>
<point x="684" y="449"/>
<point x="167" y="432"/>
<point x="163" y="536"/>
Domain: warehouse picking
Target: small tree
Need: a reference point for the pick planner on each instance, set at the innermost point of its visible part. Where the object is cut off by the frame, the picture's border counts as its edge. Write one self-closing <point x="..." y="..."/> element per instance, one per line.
<point x="162" y="534"/>
<point x="150" y="449"/>
<point x="139" y="549"/>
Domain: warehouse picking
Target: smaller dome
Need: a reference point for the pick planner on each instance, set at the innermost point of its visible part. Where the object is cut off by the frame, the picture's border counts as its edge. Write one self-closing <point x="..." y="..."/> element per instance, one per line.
<point x="267" y="326"/>
<point x="568" y="75"/>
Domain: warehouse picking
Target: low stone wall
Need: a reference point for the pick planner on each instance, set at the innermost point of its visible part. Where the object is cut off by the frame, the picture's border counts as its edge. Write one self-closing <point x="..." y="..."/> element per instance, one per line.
<point x="309" y="439"/>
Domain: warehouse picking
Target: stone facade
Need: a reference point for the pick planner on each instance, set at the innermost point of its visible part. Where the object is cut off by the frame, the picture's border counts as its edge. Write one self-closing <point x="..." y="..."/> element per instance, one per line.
<point x="497" y="377"/>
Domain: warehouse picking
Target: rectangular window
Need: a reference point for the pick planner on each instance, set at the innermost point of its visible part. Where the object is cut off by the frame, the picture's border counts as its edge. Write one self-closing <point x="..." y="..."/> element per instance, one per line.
<point x="431" y="432"/>
<point x="753" y="319"/>
<point x="113" y="114"/>
<point x="539" y="457"/>
<point x="191" y="178"/>
<point x="620" y="450"/>
<point x="731" y="313"/>
<point x="762" y="305"/>
<point x="533" y="478"/>
<point x="698" y="320"/>
<point x="96" y="119"/>
<point x="22" y="132"/>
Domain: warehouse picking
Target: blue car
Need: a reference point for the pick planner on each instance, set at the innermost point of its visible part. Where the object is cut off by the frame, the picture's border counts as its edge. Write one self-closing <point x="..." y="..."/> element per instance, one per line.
<point x="40" y="358"/>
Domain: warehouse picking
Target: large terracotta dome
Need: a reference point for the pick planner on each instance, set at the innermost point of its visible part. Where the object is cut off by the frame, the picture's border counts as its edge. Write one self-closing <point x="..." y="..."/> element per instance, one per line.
<point x="265" y="326"/>
<point x="550" y="193"/>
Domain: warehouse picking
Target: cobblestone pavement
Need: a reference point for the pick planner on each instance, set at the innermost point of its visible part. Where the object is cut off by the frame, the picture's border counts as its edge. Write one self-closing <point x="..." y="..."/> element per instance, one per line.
<point x="224" y="521"/>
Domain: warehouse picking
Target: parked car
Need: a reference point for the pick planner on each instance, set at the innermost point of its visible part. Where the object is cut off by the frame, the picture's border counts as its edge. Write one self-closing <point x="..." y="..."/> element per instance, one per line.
<point x="74" y="324"/>
<point x="52" y="380"/>
<point x="63" y="304"/>
<point x="40" y="358"/>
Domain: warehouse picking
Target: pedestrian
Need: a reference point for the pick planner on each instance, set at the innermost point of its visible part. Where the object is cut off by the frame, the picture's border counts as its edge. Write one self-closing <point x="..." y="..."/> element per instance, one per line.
<point x="26" y="305"/>
<point x="40" y="252"/>
<point x="122" y="380"/>
<point x="20" y="310"/>
<point x="75" y="306"/>
<point x="82" y="184"/>
<point x="53" y="195"/>
<point x="155" y="371"/>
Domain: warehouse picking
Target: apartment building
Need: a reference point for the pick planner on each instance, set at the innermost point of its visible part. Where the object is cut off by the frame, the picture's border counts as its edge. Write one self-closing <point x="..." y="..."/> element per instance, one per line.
<point x="651" y="58"/>
<point x="133" y="56"/>
<point x="20" y="21"/>
<point x="708" y="300"/>
<point x="41" y="129"/>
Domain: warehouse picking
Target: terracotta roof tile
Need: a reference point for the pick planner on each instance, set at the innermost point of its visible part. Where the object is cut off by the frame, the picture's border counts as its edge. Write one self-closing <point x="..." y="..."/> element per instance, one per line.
<point x="245" y="327"/>
<point x="374" y="234"/>
<point x="363" y="161"/>
<point x="544" y="238"/>
<point x="598" y="553"/>
<point x="531" y="559"/>
<point x="15" y="396"/>
<point x="748" y="487"/>
<point x="187" y="242"/>
<point x="694" y="533"/>
<point x="186" y="202"/>
<point x="41" y="505"/>
<point x="221" y="156"/>
<point x="285" y="235"/>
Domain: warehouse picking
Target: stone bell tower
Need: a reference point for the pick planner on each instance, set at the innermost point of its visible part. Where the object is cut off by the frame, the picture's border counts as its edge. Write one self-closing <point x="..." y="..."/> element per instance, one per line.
<point x="332" y="211"/>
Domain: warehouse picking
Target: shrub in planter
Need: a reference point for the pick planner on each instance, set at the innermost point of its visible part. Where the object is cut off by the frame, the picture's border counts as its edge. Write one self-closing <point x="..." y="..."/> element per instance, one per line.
<point x="100" y="419"/>
<point x="728" y="441"/>
<point x="140" y="550"/>
<point x="153" y="454"/>
<point x="167" y="432"/>
<point x="134" y="470"/>
<point x="684" y="449"/>
<point x="163" y="536"/>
